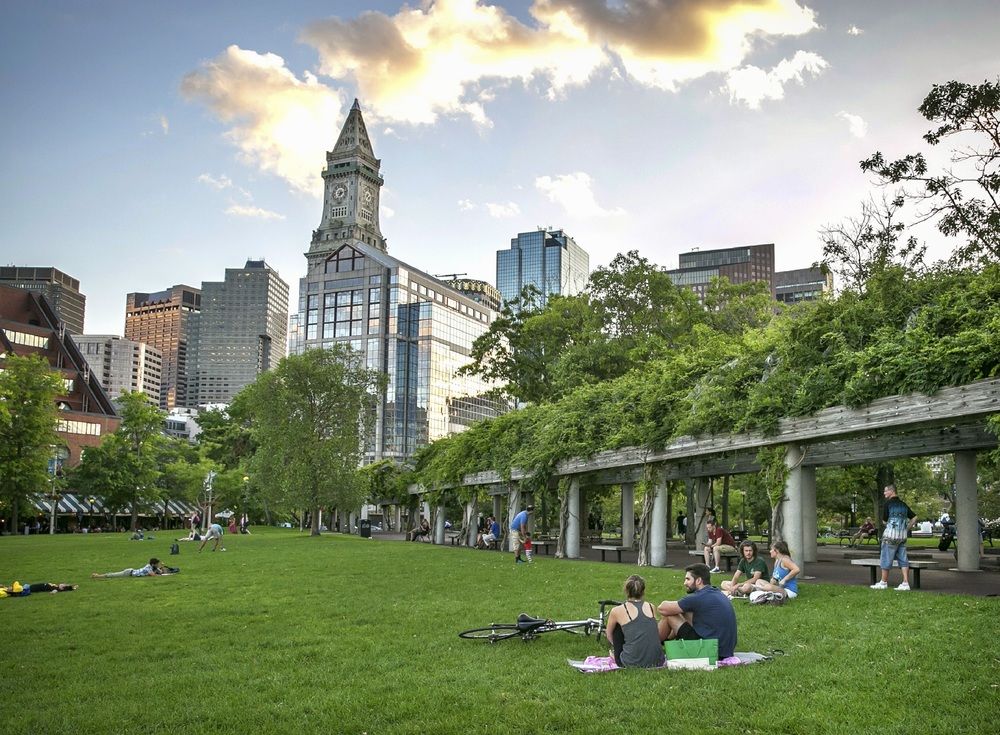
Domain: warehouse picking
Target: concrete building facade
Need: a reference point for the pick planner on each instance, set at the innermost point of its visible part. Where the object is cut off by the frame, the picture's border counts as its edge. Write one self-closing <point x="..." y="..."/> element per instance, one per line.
<point x="240" y="332"/>
<point x="122" y="364"/>
<point x="164" y="320"/>
<point x="61" y="291"/>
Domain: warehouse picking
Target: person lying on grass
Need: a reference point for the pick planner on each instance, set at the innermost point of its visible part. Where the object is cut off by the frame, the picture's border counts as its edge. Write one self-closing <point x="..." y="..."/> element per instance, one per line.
<point x="783" y="576"/>
<point x="153" y="569"/>
<point x="751" y="567"/>
<point x="36" y="587"/>
<point x="632" y="630"/>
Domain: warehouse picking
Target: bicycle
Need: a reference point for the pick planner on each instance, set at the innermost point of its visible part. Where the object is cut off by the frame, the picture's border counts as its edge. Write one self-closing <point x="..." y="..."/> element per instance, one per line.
<point x="528" y="628"/>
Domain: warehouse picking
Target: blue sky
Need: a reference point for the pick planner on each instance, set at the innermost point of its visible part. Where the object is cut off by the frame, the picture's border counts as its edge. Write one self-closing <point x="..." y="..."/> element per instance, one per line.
<point x="147" y="144"/>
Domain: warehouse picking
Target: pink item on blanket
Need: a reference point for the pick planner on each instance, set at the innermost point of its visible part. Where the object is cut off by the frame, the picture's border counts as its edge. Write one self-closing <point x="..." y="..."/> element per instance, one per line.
<point x="731" y="661"/>
<point x="595" y="664"/>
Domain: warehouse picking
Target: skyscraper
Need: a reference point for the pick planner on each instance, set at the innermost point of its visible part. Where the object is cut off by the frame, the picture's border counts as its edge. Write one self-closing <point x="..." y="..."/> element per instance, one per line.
<point x="240" y="332"/>
<point x="410" y="326"/>
<point x="122" y="364"/>
<point x="164" y="320"/>
<point x="740" y="265"/>
<point x="60" y="290"/>
<point x="549" y="260"/>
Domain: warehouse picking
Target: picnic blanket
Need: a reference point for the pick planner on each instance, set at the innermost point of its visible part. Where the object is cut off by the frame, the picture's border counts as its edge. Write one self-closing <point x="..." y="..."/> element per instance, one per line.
<point x="600" y="664"/>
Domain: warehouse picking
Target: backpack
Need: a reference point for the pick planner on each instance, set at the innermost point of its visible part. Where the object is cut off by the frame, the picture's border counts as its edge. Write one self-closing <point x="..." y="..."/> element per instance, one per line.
<point x="175" y="548"/>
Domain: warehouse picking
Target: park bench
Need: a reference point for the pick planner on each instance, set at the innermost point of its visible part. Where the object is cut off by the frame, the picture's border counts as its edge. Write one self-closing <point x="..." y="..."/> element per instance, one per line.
<point x="874" y="565"/>
<point x="729" y="557"/>
<point x="537" y="546"/>
<point x="454" y="536"/>
<point x="848" y="533"/>
<point x="604" y="548"/>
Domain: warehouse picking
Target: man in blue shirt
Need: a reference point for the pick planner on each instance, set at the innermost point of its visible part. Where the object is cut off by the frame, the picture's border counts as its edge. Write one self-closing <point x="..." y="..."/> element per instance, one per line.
<point x="704" y="614"/>
<point x="518" y="532"/>
<point x="899" y="519"/>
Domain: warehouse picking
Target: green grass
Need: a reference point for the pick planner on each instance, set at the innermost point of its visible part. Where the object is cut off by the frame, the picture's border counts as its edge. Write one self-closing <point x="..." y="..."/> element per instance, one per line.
<point x="285" y="633"/>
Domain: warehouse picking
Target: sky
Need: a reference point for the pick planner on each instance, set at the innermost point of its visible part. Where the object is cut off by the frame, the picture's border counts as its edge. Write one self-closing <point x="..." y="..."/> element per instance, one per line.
<point x="144" y="145"/>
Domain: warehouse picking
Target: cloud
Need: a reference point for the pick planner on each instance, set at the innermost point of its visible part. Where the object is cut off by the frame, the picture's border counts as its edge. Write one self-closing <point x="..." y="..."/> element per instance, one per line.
<point x="752" y="85"/>
<point x="502" y="211"/>
<point x="854" y="31"/>
<point x="240" y="210"/>
<point x="574" y="192"/>
<point x="466" y="205"/>
<point x="217" y="183"/>
<point x="279" y="123"/>
<point x="856" y="124"/>
<point x="448" y="57"/>
<point x="386" y="211"/>
<point x="164" y="125"/>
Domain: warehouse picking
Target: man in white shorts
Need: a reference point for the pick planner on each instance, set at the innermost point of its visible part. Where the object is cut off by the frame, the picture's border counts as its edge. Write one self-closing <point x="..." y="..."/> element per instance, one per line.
<point x="214" y="532"/>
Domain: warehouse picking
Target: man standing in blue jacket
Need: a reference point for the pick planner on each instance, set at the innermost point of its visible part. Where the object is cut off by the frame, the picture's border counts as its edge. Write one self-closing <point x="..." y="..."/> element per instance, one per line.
<point x="518" y="532"/>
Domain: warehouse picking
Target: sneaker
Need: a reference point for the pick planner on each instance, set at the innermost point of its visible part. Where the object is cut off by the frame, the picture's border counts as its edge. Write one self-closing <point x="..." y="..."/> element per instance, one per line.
<point x="903" y="587"/>
<point x="715" y="570"/>
<point x="880" y="585"/>
<point x="519" y="561"/>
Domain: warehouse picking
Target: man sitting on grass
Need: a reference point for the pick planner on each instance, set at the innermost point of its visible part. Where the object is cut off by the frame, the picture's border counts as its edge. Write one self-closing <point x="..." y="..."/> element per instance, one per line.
<point x="704" y="614"/>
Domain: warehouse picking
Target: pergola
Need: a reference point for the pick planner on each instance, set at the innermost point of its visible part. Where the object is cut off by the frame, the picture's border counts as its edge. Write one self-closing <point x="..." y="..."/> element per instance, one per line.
<point x="953" y="420"/>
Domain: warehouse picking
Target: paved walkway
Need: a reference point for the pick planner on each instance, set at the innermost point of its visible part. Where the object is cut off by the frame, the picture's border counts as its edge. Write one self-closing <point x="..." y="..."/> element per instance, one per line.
<point x="834" y="567"/>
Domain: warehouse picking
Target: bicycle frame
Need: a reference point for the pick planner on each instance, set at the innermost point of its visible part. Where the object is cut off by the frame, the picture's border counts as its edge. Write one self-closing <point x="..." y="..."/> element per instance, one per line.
<point x="528" y="628"/>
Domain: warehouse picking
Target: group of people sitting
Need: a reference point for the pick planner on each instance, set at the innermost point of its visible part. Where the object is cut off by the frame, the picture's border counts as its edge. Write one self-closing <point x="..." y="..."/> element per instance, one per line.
<point x="636" y="630"/>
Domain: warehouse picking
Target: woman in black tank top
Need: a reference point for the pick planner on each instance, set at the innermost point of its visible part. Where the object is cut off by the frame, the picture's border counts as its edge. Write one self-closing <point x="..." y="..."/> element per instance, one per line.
<point x="632" y="630"/>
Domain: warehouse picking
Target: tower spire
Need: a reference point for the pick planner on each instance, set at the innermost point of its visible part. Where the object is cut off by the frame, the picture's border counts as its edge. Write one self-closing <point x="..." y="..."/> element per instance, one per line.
<point x="352" y="187"/>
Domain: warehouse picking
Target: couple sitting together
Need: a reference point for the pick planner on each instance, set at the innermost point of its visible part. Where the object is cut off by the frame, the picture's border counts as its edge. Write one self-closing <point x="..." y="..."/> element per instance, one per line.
<point x="637" y="637"/>
<point x="753" y="571"/>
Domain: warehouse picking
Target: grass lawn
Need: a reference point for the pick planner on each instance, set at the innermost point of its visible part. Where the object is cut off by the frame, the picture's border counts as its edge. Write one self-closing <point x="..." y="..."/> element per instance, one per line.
<point x="284" y="634"/>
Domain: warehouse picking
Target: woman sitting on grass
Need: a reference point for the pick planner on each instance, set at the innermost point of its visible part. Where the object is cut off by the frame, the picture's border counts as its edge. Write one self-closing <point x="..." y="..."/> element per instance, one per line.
<point x="751" y="567"/>
<point x="632" y="630"/>
<point x="783" y="576"/>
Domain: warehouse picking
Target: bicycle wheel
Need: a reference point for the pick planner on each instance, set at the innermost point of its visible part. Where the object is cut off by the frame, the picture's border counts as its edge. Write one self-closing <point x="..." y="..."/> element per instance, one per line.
<point x="494" y="633"/>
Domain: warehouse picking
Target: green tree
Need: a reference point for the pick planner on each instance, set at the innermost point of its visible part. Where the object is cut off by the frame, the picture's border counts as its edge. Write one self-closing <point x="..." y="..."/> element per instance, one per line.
<point x="963" y="199"/>
<point x="28" y="415"/>
<point x="309" y="418"/>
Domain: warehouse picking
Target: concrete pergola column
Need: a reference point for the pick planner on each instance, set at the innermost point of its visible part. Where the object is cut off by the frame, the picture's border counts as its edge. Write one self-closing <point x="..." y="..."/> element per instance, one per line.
<point x="808" y="552"/>
<point x="497" y="510"/>
<point x="397" y="518"/>
<point x="364" y="511"/>
<point x="628" y="513"/>
<point x="792" y="505"/>
<point x="573" y="523"/>
<point x="352" y="518"/>
<point x="658" y="525"/>
<point x="472" y="513"/>
<point x="439" y="524"/>
<point x="966" y="511"/>
<point x="513" y="508"/>
<point x="426" y="509"/>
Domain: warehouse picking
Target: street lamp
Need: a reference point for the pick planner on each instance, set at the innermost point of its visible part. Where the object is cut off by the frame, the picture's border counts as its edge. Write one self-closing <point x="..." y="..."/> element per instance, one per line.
<point x="91" y="500"/>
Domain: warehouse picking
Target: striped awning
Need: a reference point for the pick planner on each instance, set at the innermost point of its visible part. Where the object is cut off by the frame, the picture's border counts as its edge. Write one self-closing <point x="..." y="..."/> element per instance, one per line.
<point x="73" y="504"/>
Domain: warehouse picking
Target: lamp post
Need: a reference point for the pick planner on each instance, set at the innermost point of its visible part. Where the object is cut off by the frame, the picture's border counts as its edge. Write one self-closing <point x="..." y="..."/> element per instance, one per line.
<point x="91" y="500"/>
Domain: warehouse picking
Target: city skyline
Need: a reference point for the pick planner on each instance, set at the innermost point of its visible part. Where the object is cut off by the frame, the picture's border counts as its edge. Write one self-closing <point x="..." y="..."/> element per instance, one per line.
<point x="149" y="146"/>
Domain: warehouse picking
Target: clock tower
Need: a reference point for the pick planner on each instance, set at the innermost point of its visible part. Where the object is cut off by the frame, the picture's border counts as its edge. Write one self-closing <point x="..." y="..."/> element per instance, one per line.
<point x="352" y="185"/>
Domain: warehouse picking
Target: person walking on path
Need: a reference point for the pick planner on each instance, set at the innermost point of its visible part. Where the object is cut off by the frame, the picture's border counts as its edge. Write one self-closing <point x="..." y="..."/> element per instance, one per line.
<point x="519" y="531"/>
<point x="214" y="533"/>
<point x="899" y="519"/>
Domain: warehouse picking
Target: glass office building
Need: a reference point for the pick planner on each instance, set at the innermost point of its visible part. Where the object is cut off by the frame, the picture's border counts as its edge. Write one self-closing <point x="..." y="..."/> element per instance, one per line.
<point x="60" y="290"/>
<point x="549" y="260"/>
<point x="410" y="326"/>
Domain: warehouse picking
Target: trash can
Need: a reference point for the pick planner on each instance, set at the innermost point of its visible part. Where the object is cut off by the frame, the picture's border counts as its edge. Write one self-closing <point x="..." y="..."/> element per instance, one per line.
<point x="365" y="528"/>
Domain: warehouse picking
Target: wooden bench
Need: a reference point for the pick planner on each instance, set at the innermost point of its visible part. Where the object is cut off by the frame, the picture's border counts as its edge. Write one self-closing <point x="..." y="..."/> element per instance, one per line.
<point x="848" y="533"/>
<point x="730" y="557"/>
<point x="874" y="565"/>
<point x="455" y="538"/>
<point x="606" y="548"/>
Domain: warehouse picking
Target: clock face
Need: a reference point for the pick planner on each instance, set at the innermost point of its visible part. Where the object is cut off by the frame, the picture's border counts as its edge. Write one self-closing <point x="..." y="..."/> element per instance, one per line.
<point x="368" y="197"/>
<point x="339" y="191"/>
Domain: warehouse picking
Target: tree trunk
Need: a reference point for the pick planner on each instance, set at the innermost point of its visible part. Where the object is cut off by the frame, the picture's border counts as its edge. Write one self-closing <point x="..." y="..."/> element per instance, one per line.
<point x="563" y="493"/>
<point x="314" y="525"/>
<point x="691" y="530"/>
<point x="642" y="533"/>
<point x="670" y="513"/>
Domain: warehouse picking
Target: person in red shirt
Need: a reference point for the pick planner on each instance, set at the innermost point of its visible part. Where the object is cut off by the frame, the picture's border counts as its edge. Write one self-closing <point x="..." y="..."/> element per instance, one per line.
<point x="719" y="541"/>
